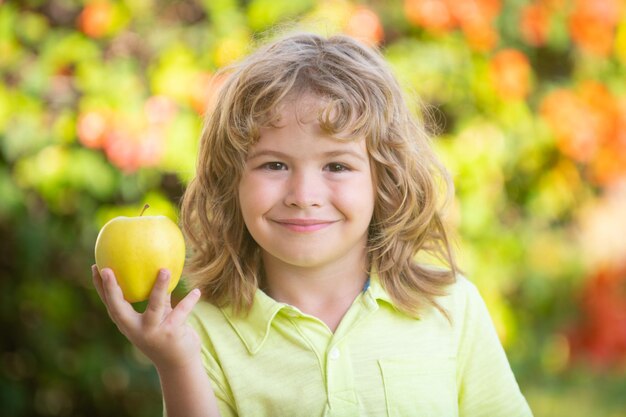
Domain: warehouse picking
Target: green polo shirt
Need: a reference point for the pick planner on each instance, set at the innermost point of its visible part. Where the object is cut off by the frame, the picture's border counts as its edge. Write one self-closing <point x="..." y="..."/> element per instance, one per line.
<point x="278" y="361"/>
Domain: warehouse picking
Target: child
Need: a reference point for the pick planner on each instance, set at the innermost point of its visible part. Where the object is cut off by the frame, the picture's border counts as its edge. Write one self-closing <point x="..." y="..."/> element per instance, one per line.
<point x="315" y="191"/>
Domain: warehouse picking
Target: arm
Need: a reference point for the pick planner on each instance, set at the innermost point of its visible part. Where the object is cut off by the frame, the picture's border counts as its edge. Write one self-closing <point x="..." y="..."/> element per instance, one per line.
<point x="187" y="391"/>
<point x="163" y="335"/>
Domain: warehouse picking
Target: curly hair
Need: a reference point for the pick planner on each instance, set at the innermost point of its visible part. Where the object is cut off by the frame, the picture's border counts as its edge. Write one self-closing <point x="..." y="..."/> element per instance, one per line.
<point x="361" y="99"/>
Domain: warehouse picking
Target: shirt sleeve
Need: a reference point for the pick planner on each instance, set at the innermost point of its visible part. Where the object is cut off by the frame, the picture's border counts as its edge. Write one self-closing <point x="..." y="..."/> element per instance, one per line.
<point x="486" y="384"/>
<point x="219" y="390"/>
<point x="225" y="409"/>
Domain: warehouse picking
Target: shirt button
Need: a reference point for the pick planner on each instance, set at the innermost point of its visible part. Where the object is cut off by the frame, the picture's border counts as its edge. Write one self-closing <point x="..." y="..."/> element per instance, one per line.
<point x="334" y="354"/>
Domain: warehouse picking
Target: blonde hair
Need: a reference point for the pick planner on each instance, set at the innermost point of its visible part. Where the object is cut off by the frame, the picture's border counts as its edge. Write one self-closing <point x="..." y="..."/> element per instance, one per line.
<point x="361" y="99"/>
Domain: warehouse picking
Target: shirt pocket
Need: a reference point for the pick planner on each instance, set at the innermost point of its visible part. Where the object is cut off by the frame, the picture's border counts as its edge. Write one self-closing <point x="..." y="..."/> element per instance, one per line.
<point x="420" y="387"/>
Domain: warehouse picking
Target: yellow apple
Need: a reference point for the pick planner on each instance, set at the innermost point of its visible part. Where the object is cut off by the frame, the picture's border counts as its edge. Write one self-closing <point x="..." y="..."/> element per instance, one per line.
<point x="135" y="248"/>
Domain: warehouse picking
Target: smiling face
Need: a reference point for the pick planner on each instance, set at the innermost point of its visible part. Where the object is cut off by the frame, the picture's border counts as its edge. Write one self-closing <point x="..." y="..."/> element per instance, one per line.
<point x="307" y="199"/>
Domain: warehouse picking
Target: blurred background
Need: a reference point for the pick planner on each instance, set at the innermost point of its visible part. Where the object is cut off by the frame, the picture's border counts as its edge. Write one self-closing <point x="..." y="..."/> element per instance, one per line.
<point x="101" y="105"/>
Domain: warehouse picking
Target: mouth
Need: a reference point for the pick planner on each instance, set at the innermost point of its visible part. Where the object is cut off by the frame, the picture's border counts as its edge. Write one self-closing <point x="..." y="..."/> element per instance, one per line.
<point x="304" y="225"/>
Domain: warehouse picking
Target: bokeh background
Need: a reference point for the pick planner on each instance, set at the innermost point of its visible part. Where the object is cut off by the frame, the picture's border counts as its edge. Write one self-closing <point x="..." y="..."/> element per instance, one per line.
<point x="101" y="105"/>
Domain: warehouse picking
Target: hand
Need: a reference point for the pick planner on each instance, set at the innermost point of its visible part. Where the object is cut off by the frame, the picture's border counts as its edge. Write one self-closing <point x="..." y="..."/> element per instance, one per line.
<point x="161" y="332"/>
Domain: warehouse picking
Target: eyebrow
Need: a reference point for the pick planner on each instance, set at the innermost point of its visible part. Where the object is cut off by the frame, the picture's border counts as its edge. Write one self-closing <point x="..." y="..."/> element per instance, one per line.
<point x="329" y="154"/>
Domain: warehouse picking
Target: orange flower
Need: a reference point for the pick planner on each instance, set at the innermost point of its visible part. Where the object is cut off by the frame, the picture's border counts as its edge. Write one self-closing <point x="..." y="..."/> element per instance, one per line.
<point x="610" y="163"/>
<point x="590" y="127"/>
<point x="554" y="5"/>
<point x="159" y="110"/>
<point x="510" y="74"/>
<point x="602" y="107"/>
<point x="621" y="122"/>
<point x="481" y="37"/>
<point x="365" y="24"/>
<point x="568" y="117"/>
<point x="592" y="25"/>
<point x="534" y="24"/>
<point x="207" y="86"/>
<point x="475" y="17"/>
<point x="475" y="12"/>
<point x="434" y="15"/>
<point x="129" y="149"/>
<point x="476" y="20"/>
<point x="91" y="128"/>
<point x="95" y="18"/>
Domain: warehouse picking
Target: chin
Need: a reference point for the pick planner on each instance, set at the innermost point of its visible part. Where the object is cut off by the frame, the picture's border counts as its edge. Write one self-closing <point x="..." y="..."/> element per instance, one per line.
<point x="303" y="260"/>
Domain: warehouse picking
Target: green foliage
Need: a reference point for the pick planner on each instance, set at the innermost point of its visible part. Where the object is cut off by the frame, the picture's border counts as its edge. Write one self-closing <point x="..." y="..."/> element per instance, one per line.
<point x="101" y="105"/>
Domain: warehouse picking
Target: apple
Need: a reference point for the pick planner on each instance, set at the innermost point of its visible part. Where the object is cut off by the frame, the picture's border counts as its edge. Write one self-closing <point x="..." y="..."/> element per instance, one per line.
<point x="135" y="248"/>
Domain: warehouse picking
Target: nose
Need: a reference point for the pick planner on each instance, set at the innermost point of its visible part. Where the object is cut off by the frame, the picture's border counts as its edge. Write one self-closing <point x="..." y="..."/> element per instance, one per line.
<point x="304" y="190"/>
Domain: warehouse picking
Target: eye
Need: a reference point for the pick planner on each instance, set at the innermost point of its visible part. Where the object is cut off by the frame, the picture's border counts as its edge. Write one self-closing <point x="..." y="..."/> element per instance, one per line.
<point x="274" y="166"/>
<point x="336" y="167"/>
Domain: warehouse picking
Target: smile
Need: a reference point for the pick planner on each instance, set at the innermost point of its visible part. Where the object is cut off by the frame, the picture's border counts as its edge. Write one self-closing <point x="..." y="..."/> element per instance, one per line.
<point x="304" y="225"/>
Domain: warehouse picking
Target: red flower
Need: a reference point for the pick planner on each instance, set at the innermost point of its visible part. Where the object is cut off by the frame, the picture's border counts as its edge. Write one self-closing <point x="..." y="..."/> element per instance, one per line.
<point x="129" y="142"/>
<point x="601" y="334"/>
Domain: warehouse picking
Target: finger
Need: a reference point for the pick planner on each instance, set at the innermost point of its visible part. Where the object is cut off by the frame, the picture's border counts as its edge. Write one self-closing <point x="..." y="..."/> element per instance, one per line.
<point x="157" y="303"/>
<point x="120" y="310"/>
<point x="97" y="282"/>
<point x="179" y="314"/>
<point x="168" y="299"/>
<point x="168" y="304"/>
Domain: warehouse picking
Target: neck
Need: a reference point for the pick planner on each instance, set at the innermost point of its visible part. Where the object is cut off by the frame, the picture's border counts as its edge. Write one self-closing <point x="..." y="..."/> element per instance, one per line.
<point x="324" y="292"/>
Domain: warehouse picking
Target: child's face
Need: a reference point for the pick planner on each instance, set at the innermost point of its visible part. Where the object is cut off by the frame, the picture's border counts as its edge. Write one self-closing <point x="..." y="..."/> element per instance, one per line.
<point x="307" y="199"/>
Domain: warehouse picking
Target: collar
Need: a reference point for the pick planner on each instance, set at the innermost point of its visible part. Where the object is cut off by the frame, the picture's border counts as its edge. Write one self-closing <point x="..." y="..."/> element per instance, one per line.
<point x="254" y="328"/>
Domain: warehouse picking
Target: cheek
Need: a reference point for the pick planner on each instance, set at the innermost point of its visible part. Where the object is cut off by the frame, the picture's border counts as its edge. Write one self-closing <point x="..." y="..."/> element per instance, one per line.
<point x="245" y="199"/>
<point x="357" y="199"/>
<point x="369" y="203"/>
<point x="255" y="196"/>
